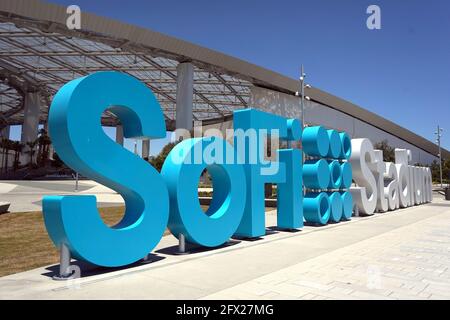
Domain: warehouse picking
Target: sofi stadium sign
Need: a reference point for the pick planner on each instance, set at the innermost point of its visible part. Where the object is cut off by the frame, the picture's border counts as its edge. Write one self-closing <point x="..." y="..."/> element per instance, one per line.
<point x="238" y="169"/>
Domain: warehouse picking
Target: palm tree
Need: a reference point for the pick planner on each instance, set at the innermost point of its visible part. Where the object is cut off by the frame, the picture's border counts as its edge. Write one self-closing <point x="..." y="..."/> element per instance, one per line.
<point x="31" y="145"/>
<point x="43" y="146"/>
<point x="3" y="146"/>
<point x="17" y="147"/>
<point x="6" y="145"/>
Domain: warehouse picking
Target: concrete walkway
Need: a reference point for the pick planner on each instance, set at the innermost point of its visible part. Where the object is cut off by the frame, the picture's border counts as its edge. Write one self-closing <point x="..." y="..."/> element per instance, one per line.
<point x="26" y="196"/>
<point x="396" y="255"/>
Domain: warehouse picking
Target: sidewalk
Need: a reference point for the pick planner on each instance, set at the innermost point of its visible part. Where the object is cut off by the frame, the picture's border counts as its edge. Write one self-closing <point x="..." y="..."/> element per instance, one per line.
<point x="396" y="255"/>
<point x="25" y="195"/>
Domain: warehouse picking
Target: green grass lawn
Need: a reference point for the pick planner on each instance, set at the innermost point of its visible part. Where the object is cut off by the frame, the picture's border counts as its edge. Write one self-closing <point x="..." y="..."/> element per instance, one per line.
<point x="24" y="242"/>
<point x="25" y="245"/>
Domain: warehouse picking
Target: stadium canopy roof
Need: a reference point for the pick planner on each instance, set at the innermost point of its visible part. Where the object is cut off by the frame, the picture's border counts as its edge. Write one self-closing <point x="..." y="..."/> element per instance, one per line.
<point x="39" y="53"/>
<point x="34" y="57"/>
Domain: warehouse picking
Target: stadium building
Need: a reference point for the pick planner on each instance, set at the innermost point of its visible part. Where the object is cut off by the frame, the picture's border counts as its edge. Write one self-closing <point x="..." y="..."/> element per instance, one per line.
<point x="195" y="85"/>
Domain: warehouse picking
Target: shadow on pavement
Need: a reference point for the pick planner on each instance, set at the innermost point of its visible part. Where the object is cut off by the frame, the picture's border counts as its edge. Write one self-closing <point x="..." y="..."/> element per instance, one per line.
<point x="192" y="248"/>
<point x="88" y="269"/>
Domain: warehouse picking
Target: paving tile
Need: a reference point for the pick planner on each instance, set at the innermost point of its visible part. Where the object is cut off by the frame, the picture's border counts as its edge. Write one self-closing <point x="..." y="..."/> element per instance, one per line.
<point x="397" y="255"/>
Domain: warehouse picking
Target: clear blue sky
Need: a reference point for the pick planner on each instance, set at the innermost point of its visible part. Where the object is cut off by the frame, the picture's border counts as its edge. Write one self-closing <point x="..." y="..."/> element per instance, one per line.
<point x="401" y="72"/>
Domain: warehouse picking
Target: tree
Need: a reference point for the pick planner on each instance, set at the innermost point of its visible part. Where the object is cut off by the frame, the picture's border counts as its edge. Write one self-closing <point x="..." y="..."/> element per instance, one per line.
<point x="158" y="161"/>
<point x="43" y="142"/>
<point x="388" y="151"/>
<point x="17" y="147"/>
<point x="31" y="150"/>
<point x="435" y="171"/>
<point x="6" y="145"/>
<point x="445" y="171"/>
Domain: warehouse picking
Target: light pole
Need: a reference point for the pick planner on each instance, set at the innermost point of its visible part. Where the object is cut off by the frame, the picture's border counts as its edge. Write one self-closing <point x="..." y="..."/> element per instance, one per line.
<point x="438" y="133"/>
<point x="301" y="93"/>
<point x="302" y="96"/>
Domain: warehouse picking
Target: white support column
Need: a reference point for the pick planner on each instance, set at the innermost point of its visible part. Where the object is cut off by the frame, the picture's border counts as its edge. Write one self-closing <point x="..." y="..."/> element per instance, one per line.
<point x="30" y="122"/>
<point x="184" y="113"/>
<point x="145" y="149"/>
<point x="185" y="95"/>
<point x="119" y="134"/>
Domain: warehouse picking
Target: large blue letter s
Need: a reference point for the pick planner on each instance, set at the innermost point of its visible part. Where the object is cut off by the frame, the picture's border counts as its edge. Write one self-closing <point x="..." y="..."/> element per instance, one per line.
<point x="79" y="140"/>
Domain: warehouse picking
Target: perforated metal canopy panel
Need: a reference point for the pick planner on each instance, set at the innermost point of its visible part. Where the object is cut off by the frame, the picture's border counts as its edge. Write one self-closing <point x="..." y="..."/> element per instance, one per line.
<point x="33" y="59"/>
